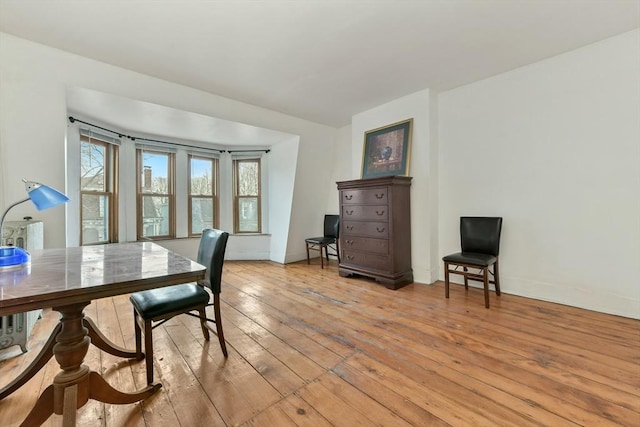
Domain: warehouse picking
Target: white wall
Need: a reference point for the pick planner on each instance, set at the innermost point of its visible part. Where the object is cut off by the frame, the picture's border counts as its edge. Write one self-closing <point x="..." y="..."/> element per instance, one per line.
<point x="340" y="168"/>
<point x="554" y="148"/>
<point x="422" y="168"/>
<point x="33" y="83"/>
<point x="281" y="187"/>
<point x="313" y="188"/>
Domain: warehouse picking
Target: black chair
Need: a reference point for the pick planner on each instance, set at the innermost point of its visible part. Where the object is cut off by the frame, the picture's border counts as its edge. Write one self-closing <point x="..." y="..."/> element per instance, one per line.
<point x="160" y="305"/>
<point x="330" y="239"/>
<point x="480" y="239"/>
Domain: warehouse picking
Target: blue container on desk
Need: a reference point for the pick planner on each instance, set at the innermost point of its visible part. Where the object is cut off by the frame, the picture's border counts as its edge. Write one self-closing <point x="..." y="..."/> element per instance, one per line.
<point x="13" y="256"/>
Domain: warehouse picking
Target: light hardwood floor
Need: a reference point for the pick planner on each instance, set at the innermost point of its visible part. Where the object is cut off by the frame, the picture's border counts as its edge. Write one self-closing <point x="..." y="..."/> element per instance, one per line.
<point x="308" y="348"/>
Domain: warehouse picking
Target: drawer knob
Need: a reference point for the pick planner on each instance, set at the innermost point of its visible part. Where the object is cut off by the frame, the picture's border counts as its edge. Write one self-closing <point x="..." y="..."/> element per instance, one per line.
<point x="380" y="230"/>
<point x="348" y="196"/>
<point x="350" y="227"/>
<point x="349" y="212"/>
<point x="379" y="196"/>
<point x="349" y="242"/>
<point x="350" y="257"/>
<point x="380" y="213"/>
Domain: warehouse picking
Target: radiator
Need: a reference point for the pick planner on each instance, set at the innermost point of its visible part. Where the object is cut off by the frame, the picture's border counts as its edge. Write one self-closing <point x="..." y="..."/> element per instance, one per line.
<point x="16" y="328"/>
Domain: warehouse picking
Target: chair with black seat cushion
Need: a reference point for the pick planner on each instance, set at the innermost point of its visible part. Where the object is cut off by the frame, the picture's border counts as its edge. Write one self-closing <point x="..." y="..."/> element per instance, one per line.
<point x="480" y="240"/>
<point x="330" y="239"/>
<point x="154" y="307"/>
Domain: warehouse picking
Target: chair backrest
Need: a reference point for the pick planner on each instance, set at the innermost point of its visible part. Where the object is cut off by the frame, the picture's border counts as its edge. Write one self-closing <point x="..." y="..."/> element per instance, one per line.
<point x="480" y="234"/>
<point x="331" y="226"/>
<point x="211" y="254"/>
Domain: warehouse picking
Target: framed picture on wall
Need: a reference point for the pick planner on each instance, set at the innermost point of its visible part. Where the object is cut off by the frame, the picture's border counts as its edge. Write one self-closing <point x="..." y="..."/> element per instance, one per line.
<point x="387" y="150"/>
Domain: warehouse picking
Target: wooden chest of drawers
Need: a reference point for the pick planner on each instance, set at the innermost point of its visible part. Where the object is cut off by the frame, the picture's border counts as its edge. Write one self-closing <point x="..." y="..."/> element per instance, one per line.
<point x="375" y="229"/>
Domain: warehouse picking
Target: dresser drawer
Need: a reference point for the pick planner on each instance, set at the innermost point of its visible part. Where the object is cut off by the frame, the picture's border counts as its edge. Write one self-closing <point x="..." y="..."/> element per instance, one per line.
<point x="365" y="228"/>
<point x="364" y="212"/>
<point x="361" y="259"/>
<point x="364" y="244"/>
<point x="368" y="196"/>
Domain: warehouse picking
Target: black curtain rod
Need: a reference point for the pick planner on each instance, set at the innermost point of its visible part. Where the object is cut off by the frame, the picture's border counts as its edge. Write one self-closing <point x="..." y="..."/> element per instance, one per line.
<point x="136" y="138"/>
<point x="120" y="135"/>
<point x="247" y="151"/>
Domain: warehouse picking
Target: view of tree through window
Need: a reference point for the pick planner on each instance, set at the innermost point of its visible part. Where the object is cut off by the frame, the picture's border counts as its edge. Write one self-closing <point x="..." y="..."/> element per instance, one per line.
<point x="155" y="194"/>
<point x="221" y="190"/>
<point x="96" y="191"/>
<point x="247" y="196"/>
<point x="202" y="194"/>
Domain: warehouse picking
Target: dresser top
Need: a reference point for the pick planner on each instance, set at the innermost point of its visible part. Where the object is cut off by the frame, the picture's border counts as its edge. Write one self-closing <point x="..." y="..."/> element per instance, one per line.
<point x="375" y="182"/>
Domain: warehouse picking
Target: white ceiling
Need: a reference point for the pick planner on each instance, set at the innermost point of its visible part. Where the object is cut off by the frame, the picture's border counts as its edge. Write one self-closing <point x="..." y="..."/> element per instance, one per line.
<point x="321" y="60"/>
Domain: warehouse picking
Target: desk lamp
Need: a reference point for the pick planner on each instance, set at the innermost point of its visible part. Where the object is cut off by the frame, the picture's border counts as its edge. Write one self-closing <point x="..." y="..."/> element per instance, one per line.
<point x="43" y="197"/>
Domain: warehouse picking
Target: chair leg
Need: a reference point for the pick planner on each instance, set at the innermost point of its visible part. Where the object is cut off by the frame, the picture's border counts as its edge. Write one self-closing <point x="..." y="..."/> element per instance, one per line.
<point x="321" y="258"/>
<point x="307" y="253"/>
<point x="338" y="250"/>
<point x="136" y="326"/>
<point x="216" y="310"/>
<point x="496" y="277"/>
<point x="203" y="322"/>
<point x="148" y="350"/>
<point x="446" y="280"/>
<point x="466" y="281"/>
<point x="485" y="276"/>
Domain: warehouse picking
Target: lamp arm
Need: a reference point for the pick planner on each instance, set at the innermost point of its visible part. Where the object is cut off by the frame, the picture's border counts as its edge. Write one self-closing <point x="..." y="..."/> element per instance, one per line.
<point x="7" y="211"/>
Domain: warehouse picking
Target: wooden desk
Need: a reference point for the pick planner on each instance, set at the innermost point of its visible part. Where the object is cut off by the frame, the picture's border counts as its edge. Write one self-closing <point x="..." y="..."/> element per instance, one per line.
<point x="67" y="280"/>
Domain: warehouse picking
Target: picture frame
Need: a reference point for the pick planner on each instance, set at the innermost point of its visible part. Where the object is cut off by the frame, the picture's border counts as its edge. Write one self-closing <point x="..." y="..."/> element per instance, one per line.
<point x="387" y="150"/>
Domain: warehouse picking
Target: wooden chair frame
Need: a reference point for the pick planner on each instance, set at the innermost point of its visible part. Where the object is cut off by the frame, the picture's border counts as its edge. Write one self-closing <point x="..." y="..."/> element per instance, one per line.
<point x="482" y="276"/>
<point x="316" y="243"/>
<point x="148" y="325"/>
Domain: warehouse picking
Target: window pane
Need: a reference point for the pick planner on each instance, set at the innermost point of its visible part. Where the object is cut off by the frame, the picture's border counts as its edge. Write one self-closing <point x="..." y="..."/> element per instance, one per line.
<point x="201" y="177"/>
<point x="247" y="178"/>
<point x="201" y="214"/>
<point x="92" y="160"/>
<point x="155" y="173"/>
<point x="248" y="215"/>
<point x="95" y="218"/>
<point x="155" y="216"/>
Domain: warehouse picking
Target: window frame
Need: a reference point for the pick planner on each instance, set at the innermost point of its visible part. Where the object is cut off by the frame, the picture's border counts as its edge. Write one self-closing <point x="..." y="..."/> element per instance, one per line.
<point x="111" y="186"/>
<point x="171" y="196"/>
<point x="215" y="198"/>
<point x="237" y="198"/>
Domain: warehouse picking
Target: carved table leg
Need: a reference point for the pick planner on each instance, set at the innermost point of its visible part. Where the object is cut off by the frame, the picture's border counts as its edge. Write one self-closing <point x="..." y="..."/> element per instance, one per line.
<point x="103" y="343"/>
<point x="97" y="338"/>
<point x="101" y="390"/>
<point x="70" y="349"/>
<point x="36" y="364"/>
<point x="42" y="409"/>
<point x="76" y="384"/>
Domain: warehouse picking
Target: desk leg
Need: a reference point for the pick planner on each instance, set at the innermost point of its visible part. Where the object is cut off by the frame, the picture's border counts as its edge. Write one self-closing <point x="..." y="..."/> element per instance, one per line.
<point x="97" y="338"/>
<point x="36" y="364"/>
<point x="42" y="410"/>
<point x="76" y="384"/>
<point x="101" y="391"/>
<point x="103" y="343"/>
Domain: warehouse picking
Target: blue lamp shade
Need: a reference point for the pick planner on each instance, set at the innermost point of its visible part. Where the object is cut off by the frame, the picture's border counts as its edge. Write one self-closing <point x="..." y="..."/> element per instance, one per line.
<point x="44" y="197"/>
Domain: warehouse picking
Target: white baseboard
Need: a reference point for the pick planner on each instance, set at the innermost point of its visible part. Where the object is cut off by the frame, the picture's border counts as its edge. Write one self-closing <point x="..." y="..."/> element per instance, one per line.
<point x="600" y="300"/>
